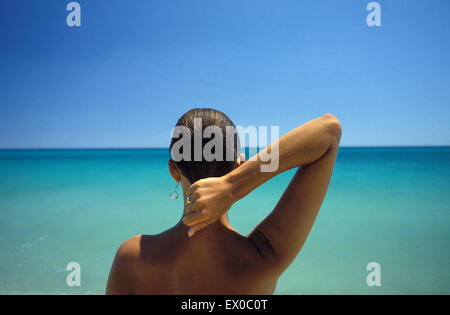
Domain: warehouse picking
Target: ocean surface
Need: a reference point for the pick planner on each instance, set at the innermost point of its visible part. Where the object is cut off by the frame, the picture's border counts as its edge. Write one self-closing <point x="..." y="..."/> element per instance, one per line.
<point x="384" y="205"/>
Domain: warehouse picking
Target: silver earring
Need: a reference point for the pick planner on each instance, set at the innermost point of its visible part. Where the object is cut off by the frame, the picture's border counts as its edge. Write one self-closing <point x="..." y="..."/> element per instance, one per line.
<point x="174" y="194"/>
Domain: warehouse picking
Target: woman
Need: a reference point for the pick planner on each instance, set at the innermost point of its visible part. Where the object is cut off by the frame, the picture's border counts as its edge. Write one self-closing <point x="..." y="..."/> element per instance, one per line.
<point x="203" y="254"/>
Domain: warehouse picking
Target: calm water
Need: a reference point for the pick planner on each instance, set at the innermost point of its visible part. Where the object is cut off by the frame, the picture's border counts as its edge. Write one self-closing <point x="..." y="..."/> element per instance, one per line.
<point x="391" y="206"/>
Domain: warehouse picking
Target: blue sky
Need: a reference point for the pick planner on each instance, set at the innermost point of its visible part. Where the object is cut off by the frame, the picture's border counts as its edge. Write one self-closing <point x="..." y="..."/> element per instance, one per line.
<point x="124" y="77"/>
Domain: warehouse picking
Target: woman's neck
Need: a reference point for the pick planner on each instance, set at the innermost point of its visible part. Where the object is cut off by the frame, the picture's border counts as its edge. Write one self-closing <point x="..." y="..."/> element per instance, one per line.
<point x="216" y="227"/>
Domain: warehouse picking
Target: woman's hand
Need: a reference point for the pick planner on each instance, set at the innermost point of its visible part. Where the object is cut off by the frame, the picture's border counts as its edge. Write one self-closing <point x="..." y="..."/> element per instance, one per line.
<point x="208" y="199"/>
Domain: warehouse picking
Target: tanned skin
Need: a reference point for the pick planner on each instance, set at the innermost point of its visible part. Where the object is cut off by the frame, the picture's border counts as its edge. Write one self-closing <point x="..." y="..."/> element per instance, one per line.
<point x="203" y="254"/>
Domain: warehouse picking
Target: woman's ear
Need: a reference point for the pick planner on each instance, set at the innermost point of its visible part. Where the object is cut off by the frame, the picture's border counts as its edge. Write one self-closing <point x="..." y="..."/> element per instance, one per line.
<point x="174" y="170"/>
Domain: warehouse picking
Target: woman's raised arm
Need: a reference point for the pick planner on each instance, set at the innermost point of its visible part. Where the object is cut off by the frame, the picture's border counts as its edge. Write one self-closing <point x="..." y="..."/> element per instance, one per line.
<point x="313" y="147"/>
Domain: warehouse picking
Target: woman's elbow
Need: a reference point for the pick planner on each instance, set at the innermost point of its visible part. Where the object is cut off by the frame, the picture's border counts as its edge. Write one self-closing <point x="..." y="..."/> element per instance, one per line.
<point x="333" y="126"/>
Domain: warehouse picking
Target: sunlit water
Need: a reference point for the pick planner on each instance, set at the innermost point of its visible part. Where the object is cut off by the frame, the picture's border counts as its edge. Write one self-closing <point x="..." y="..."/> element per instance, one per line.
<point x="389" y="206"/>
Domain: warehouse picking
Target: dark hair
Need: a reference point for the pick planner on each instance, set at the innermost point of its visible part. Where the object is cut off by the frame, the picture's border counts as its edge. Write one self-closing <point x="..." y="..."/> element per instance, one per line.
<point x="196" y="170"/>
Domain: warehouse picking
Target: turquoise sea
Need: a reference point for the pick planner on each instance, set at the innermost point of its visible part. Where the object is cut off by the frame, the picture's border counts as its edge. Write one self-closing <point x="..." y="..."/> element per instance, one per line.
<point x="385" y="205"/>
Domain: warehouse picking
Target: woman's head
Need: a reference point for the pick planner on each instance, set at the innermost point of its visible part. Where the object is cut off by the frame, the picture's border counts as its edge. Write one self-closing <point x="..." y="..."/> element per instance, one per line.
<point x="205" y="143"/>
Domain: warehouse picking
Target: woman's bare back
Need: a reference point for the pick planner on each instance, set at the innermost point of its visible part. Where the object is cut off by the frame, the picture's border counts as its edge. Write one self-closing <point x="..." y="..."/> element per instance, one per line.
<point x="216" y="261"/>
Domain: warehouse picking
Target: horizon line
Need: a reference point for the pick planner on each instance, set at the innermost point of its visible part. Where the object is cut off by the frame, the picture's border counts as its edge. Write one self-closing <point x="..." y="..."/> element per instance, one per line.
<point x="166" y="148"/>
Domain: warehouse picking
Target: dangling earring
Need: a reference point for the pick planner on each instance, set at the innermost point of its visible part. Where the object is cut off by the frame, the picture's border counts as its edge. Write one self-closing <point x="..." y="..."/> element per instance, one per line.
<point x="174" y="194"/>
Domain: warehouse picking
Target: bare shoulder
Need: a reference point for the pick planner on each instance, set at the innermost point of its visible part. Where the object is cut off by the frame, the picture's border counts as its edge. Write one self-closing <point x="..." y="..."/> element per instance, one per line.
<point x="139" y="246"/>
<point x="141" y="265"/>
<point x="141" y="250"/>
<point x="123" y="268"/>
<point x="130" y="248"/>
